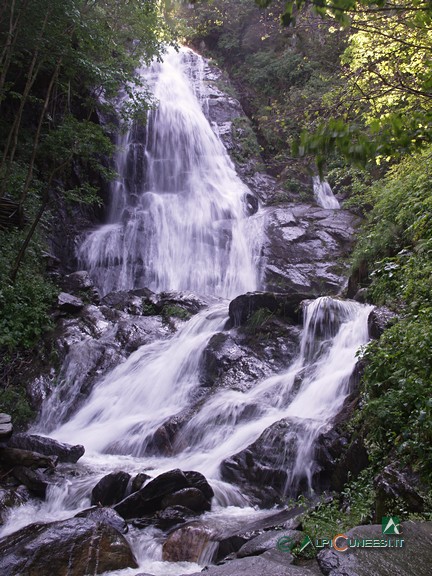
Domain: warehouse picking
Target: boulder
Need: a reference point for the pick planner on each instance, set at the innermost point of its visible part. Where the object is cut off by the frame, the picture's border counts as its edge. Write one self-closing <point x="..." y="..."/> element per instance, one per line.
<point x="305" y="248"/>
<point x="198" y="480"/>
<point x="110" y="489"/>
<point x="242" y="308"/>
<point x="103" y="515"/>
<point x="186" y="544"/>
<point x="80" y="283"/>
<point x="272" y="565"/>
<point x="191" y="498"/>
<point x="267" y="541"/>
<point x="138" y="481"/>
<point x="394" y="485"/>
<point x="67" y="548"/>
<point x="6" y="427"/>
<point x="156" y="495"/>
<point x="380" y="319"/>
<point x="413" y="558"/>
<point x="69" y="304"/>
<point x="35" y="480"/>
<point x="262" y="469"/>
<point x="239" y="358"/>
<point x="172" y="516"/>
<point x="47" y="446"/>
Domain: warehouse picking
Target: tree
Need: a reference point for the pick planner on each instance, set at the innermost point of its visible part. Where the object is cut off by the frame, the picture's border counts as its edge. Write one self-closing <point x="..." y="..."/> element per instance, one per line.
<point x="58" y="58"/>
<point x="386" y="109"/>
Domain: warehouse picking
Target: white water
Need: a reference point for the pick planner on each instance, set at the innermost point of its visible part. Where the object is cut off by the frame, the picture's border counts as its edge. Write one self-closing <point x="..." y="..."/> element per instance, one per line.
<point x="323" y="194"/>
<point x="183" y="226"/>
<point x="177" y="218"/>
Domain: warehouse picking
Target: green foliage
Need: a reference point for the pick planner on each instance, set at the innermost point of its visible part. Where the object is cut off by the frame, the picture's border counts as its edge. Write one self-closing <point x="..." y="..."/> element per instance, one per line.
<point x="258" y="319"/>
<point x="13" y="401"/>
<point x="173" y="310"/>
<point x="245" y="141"/>
<point x="397" y="244"/>
<point x="149" y="310"/>
<point x="23" y="306"/>
<point x="398" y="392"/>
<point x="354" y="507"/>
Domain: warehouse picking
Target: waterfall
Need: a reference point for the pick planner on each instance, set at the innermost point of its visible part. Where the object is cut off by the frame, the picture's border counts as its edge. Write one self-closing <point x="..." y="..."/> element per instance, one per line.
<point x="323" y="194"/>
<point x="177" y="216"/>
<point x="178" y="222"/>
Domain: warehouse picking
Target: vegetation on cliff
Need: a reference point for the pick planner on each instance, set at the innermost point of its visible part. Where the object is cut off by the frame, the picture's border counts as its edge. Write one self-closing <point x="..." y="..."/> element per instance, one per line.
<point x="61" y="65"/>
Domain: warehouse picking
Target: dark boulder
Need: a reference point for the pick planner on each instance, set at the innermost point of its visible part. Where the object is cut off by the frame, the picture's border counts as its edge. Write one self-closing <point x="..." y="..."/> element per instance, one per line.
<point x="131" y="302"/>
<point x="35" y="480"/>
<point x="395" y="484"/>
<point x="69" y="304"/>
<point x="80" y="283"/>
<point x="198" y="480"/>
<point x="242" y="308"/>
<point x="68" y="548"/>
<point x="262" y="469"/>
<point x="191" y="498"/>
<point x="138" y="481"/>
<point x="380" y="319"/>
<point x="47" y="446"/>
<point x="172" y="516"/>
<point x="156" y="495"/>
<point x="110" y="489"/>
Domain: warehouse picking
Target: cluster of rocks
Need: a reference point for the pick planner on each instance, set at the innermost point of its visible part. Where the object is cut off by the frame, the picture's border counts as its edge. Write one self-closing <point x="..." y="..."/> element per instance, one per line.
<point x="27" y="464"/>
<point x="93" y="540"/>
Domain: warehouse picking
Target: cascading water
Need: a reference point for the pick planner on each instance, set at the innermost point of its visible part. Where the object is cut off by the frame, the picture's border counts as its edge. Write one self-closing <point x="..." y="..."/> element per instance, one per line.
<point x="177" y="217"/>
<point x="323" y="194"/>
<point x="178" y="222"/>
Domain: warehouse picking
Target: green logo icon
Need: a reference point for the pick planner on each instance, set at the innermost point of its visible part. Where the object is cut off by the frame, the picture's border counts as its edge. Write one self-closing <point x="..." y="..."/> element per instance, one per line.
<point x="285" y="544"/>
<point x="391" y="525"/>
<point x="305" y="543"/>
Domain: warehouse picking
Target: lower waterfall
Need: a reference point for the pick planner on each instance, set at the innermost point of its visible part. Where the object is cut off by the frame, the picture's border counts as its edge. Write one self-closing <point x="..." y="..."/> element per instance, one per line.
<point x="178" y="222"/>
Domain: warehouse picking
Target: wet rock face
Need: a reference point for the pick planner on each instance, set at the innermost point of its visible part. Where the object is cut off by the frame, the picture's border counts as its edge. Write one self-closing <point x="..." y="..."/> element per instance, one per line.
<point x="262" y="469"/>
<point x="68" y="548"/>
<point x="396" y="484"/>
<point x="96" y="338"/>
<point x="304" y="248"/>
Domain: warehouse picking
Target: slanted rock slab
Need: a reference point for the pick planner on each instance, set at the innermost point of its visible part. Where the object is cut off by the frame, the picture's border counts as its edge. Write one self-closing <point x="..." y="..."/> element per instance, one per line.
<point x="71" y="547"/>
<point x="414" y="558"/>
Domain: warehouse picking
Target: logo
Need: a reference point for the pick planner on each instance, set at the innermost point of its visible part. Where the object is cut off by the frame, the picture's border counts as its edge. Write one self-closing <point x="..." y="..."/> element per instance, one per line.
<point x="391" y="525"/>
<point x="285" y="544"/>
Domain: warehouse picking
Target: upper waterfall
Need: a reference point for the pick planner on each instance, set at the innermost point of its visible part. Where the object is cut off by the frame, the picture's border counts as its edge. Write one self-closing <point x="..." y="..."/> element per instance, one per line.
<point x="177" y="215"/>
<point x="323" y="194"/>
